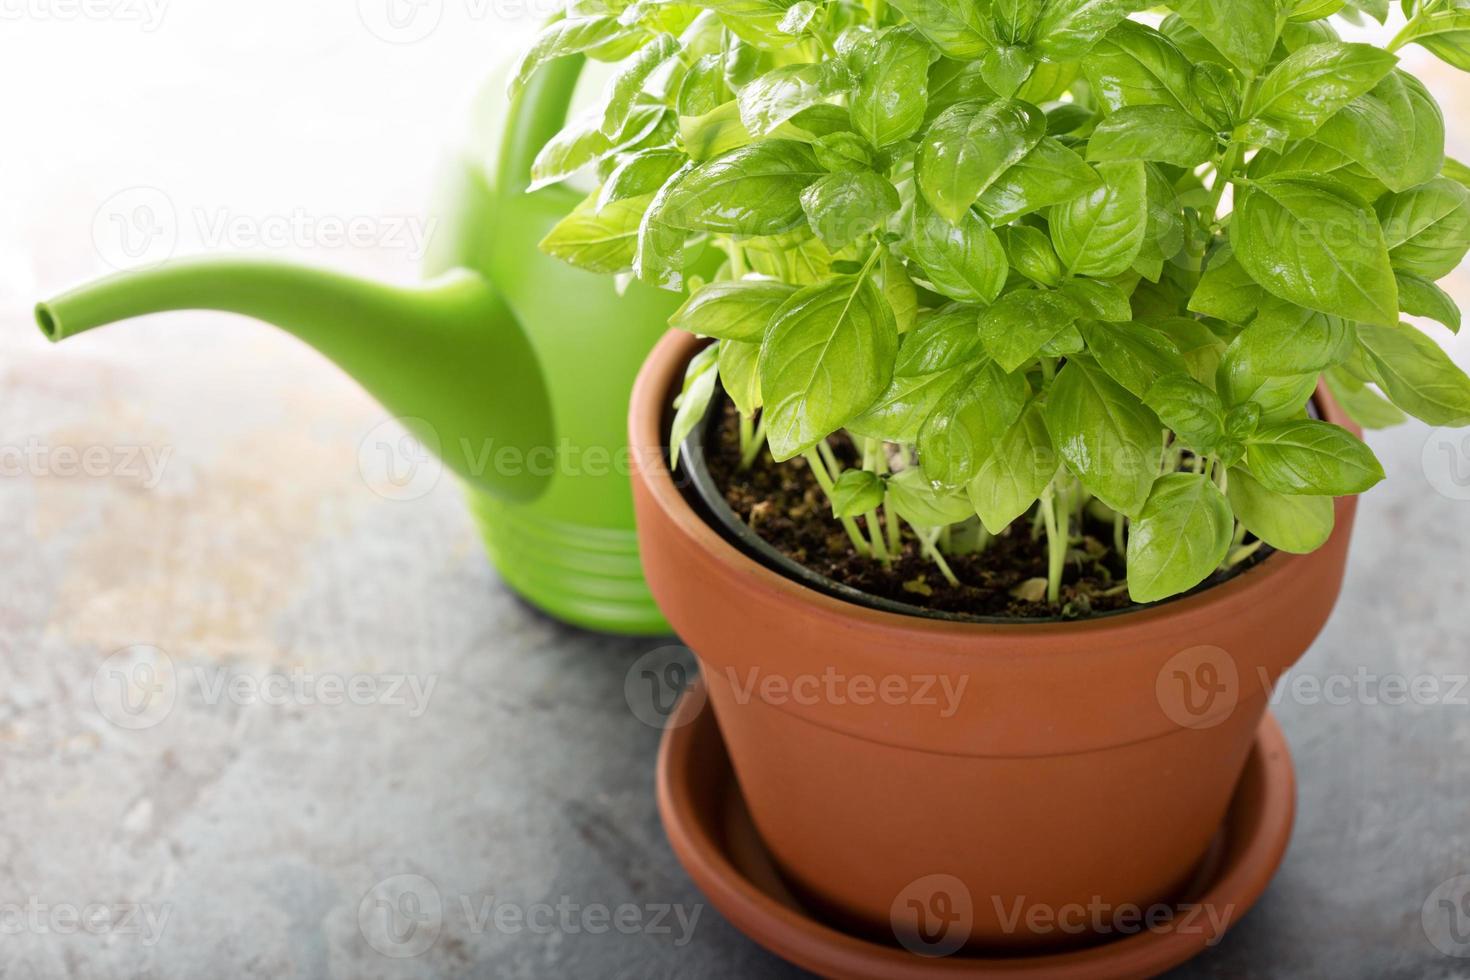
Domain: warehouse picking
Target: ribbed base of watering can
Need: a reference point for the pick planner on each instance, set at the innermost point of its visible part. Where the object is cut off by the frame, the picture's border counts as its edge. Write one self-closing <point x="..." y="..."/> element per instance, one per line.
<point x="587" y="576"/>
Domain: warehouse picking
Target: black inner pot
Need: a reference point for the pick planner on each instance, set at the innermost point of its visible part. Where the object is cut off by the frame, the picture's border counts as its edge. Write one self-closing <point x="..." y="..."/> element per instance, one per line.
<point x="698" y="487"/>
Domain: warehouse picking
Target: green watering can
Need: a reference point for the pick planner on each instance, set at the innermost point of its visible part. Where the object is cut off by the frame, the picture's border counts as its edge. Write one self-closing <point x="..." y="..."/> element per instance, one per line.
<point x="516" y="366"/>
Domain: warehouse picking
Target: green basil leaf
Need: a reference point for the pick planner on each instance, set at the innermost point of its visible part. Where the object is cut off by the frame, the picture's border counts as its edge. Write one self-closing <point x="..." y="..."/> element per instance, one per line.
<point x="826" y="357"/>
<point x="1067" y="29"/>
<point x="619" y="99"/>
<point x="1006" y="68"/>
<point x="1416" y="374"/>
<point x="701" y="34"/>
<point x="1021" y="323"/>
<point x="573" y="35"/>
<point x="1427" y="227"/>
<point x="798" y="257"/>
<point x="640" y="174"/>
<point x="1136" y="65"/>
<point x="1219" y="95"/>
<point x="693" y="401"/>
<point x="1296" y="35"/>
<point x="1311" y="84"/>
<point x="1456" y="171"/>
<point x="1063" y="118"/>
<point x="1152" y="132"/>
<point x="1190" y="41"/>
<point x="917" y="501"/>
<point x="931" y="361"/>
<point x="1396" y="132"/>
<point x="856" y="492"/>
<point x="581" y="143"/>
<point x="1134" y="354"/>
<point x="899" y="290"/>
<point x="659" y="260"/>
<point x="744" y="60"/>
<point x="955" y="27"/>
<point x="703" y="89"/>
<point x="1244" y="31"/>
<point x="777" y="96"/>
<point x="740" y="374"/>
<point x="952" y="82"/>
<point x="1226" y="291"/>
<point x="1163" y="238"/>
<point x="733" y="310"/>
<point x="1099" y="300"/>
<point x="840" y="152"/>
<point x="1180" y="538"/>
<point x="1363" y="405"/>
<point x="900" y="412"/>
<point x="1278" y="397"/>
<point x="1065" y="344"/>
<point x="1286" y="339"/>
<point x="1049" y="81"/>
<point x="893" y="88"/>
<point x="1315" y="245"/>
<point x="1312" y="159"/>
<point x="714" y="133"/>
<point x="1108" y="439"/>
<point x="756" y="22"/>
<point x="968" y="422"/>
<point x="1015" y="19"/>
<point x="1197" y="344"/>
<point x="844" y="207"/>
<point x="1262" y="133"/>
<point x="964" y="262"/>
<point x="1298" y="525"/>
<point x="603" y="241"/>
<point x="753" y="190"/>
<point x="1029" y="252"/>
<point x="798" y="18"/>
<point x="969" y="146"/>
<point x="1190" y="410"/>
<point x="945" y="340"/>
<point x="1102" y="232"/>
<point x="1303" y="11"/>
<point x="1377" y="9"/>
<point x="1050" y="174"/>
<point x="814" y="122"/>
<point x="1445" y="33"/>
<point x="1016" y="472"/>
<point x="1242" y="421"/>
<point x="1420" y="297"/>
<point x="1311" y="457"/>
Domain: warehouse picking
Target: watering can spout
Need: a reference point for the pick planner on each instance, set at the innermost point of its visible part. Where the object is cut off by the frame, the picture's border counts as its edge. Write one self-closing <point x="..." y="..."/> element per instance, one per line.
<point x="448" y="358"/>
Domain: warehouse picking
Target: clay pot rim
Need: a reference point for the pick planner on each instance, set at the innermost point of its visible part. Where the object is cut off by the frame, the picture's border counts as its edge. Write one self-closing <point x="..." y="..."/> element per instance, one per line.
<point x="662" y="372"/>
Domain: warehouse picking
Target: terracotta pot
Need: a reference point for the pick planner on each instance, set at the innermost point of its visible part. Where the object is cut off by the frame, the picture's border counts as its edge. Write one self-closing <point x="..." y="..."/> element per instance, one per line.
<point x="1007" y="780"/>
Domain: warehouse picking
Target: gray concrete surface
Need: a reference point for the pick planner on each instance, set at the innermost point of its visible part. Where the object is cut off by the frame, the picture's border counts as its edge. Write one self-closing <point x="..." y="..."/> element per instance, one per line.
<point x="252" y="831"/>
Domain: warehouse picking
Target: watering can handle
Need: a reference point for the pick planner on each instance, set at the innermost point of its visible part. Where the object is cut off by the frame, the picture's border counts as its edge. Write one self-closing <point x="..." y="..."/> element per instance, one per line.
<point x="536" y="115"/>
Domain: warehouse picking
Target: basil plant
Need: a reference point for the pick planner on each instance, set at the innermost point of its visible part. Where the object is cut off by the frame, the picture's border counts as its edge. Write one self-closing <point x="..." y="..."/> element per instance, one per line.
<point x="1059" y="260"/>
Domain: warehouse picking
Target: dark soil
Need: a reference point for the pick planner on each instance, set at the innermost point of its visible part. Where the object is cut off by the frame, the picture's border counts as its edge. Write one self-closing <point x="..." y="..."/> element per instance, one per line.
<point x="785" y="506"/>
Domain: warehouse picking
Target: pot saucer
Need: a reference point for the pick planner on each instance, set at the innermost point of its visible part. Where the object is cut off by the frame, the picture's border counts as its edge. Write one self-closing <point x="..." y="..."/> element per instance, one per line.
<point x="710" y="829"/>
